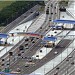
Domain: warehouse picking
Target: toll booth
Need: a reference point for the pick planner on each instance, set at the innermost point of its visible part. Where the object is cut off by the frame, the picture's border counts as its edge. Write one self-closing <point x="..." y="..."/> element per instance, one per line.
<point x="67" y="24"/>
<point x="49" y="41"/>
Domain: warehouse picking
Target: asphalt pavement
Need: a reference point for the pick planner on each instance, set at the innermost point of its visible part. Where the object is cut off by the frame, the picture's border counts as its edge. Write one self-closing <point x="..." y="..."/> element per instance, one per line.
<point x="48" y="57"/>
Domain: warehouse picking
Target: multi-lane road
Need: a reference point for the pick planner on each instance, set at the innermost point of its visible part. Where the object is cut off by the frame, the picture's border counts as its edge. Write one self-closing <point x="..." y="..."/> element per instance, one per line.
<point x="29" y="71"/>
<point x="46" y="25"/>
<point x="52" y="5"/>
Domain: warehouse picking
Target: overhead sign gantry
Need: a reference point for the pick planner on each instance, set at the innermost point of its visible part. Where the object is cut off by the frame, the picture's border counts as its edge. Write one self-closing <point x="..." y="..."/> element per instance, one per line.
<point x="30" y="34"/>
<point x="67" y="24"/>
<point x="64" y="21"/>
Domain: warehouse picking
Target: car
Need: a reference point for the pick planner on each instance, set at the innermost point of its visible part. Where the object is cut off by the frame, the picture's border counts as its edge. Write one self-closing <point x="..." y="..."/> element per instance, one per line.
<point x="51" y="5"/>
<point x="51" y="13"/>
<point x="26" y="65"/>
<point x="30" y="60"/>
<point x="18" y="69"/>
<point x="47" y="12"/>
<point x="56" y="73"/>
<point x="31" y="12"/>
<point x="40" y="27"/>
<point x="40" y="50"/>
<point x="55" y="52"/>
<point x="57" y="46"/>
<point x="37" y="55"/>
<point x="33" y="41"/>
<point x="26" y="47"/>
<point x="26" y="44"/>
<point x="26" y="39"/>
<point x="32" y="38"/>
<point x="21" y="47"/>
<point x="72" y="63"/>
<point x="49" y="19"/>
<point x="55" y="7"/>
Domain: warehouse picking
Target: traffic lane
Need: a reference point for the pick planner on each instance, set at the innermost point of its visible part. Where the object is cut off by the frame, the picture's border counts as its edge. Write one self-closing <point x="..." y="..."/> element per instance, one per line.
<point x="61" y="67"/>
<point x="31" y="50"/>
<point x="28" y="53"/>
<point x="67" y="68"/>
<point x="47" y="58"/>
<point x="13" y="23"/>
<point x="68" y="65"/>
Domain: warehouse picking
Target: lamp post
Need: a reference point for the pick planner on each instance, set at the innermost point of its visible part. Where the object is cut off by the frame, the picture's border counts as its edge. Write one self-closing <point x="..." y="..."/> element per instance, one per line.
<point x="25" y="28"/>
<point x="54" y="57"/>
<point x="18" y="31"/>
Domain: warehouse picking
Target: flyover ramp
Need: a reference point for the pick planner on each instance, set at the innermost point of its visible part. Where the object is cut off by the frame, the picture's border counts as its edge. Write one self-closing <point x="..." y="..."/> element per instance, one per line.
<point x="22" y="19"/>
<point x="37" y="24"/>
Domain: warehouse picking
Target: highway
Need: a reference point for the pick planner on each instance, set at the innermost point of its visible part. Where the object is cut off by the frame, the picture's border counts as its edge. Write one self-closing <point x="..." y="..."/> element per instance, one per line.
<point x="44" y="28"/>
<point x="10" y="26"/>
<point x="15" y="47"/>
<point x="47" y="58"/>
<point x="67" y="66"/>
<point x="28" y="68"/>
<point x="19" y="20"/>
<point x="64" y="66"/>
<point x="34" y="47"/>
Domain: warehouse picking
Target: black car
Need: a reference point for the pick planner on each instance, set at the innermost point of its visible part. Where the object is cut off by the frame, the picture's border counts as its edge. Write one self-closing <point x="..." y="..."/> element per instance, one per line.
<point x="21" y="48"/>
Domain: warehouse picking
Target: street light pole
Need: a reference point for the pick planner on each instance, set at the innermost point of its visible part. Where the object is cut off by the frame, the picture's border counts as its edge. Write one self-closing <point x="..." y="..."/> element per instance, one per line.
<point x="18" y="31"/>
